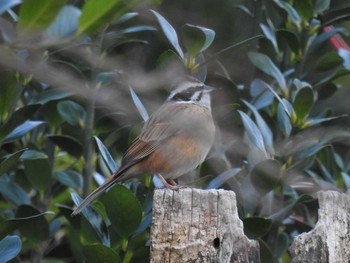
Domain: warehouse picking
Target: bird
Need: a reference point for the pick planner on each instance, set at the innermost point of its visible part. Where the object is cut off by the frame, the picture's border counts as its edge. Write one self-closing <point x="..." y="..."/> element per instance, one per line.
<point x="173" y="141"/>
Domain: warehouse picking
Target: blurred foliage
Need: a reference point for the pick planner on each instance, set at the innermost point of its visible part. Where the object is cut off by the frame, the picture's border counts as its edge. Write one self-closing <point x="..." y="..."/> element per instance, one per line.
<point x="76" y="78"/>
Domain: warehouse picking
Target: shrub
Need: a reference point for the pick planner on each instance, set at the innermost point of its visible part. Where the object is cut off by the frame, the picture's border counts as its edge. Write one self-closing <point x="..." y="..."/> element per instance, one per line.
<point x="76" y="81"/>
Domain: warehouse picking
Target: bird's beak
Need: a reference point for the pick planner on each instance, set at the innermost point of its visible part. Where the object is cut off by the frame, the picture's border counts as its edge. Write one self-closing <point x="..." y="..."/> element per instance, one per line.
<point x="209" y="88"/>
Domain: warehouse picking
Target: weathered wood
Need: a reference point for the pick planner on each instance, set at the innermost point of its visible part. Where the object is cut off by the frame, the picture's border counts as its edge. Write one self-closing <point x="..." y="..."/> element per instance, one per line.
<point x="193" y="225"/>
<point x="329" y="241"/>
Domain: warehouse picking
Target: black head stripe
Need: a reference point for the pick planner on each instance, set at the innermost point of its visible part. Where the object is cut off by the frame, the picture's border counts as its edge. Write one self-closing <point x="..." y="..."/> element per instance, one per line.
<point x="187" y="94"/>
<point x="199" y="97"/>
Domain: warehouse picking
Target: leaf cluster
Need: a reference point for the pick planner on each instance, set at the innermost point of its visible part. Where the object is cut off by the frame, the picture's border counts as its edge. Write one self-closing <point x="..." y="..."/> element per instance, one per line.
<point x="69" y="75"/>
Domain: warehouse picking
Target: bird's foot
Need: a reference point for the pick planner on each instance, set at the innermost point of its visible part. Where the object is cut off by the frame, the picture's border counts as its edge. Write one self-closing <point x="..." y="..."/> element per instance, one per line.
<point x="172" y="186"/>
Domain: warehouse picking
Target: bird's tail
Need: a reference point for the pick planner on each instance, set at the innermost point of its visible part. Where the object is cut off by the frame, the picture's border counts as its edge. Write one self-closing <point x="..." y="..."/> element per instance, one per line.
<point x="100" y="190"/>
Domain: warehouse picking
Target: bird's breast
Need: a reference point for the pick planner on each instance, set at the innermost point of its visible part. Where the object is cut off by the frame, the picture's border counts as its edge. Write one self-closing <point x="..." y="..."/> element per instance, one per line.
<point x="177" y="157"/>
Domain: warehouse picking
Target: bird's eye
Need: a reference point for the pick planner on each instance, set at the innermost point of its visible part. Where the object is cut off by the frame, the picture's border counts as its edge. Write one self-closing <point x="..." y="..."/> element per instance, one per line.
<point x="187" y="94"/>
<point x="183" y="96"/>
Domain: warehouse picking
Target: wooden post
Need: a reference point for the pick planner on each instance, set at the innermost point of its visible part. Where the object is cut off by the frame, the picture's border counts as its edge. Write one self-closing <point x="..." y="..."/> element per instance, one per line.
<point x="193" y="225"/>
<point x="329" y="241"/>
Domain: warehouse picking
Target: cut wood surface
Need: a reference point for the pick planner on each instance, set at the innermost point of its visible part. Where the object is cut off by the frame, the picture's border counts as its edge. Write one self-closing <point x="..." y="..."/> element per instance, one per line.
<point x="193" y="225"/>
<point x="329" y="241"/>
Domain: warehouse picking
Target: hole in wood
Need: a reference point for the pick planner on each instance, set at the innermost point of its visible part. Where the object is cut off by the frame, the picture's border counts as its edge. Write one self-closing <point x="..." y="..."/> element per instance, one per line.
<point x="216" y="242"/>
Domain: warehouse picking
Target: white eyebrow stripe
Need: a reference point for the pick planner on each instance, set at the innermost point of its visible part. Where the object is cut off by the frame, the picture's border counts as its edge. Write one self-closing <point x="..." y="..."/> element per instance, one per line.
<point x="192" y="91"/>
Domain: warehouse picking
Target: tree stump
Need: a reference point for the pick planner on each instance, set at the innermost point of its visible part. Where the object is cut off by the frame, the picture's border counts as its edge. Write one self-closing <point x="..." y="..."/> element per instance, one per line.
<point x="329" y="241"/>
<point x="193" y="225"/>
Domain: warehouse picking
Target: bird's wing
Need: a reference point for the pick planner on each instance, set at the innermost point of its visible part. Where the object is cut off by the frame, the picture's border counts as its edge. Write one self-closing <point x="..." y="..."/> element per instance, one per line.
<point x="159" y="127"/>
<point x="153" y="135"/>
<point x="168" y="121"/>
<point x="148" y="141"/>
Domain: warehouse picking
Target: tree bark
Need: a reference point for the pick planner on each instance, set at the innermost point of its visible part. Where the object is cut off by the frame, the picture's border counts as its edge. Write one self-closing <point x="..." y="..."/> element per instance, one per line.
<point x="192" y="225"/>
<point x="329" y="241"/>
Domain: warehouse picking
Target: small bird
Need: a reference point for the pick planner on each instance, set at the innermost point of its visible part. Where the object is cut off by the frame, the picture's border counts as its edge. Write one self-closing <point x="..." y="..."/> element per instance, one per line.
<point x="172" y="142"/>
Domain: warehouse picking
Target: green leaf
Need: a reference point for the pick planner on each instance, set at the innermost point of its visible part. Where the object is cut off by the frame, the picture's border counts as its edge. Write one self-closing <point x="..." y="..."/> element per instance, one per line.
<point x="310" y="151"/>
<point x="219" y="180"/>
<point x="135" y="29"/>
<point x="265" y="64"/>
<point x="71" y="112"/>
<point x="95" y="220"/>
<point x="266" y="175"/>
<point x="70" y="178"/>
<point x="8" y="93"/>
<point x="34" y="230"/>
<point x="263" y="127"/>
<point x="6" y="5"/>
<point x="68" y="144"/>
<point x="316" y="121"/>
<point x="24" y="216"/>
<point x="123" y="209"/>
<point x="197" y="39"/>
<point x="17" y="118"/>
<point x="291" y="39"/>
<point x="282" y="213"/>
<point x="10" y="246"/>
<point x="266" y="255"/>
<point x="38" y="14"/>
<point x="170" y="33"/>
<point x="99" y="253"/>
<point x="107" y="157"/>
<point x="253" y="132"/>
<point x="334" y="135"/>
<point x="301" y="84"/>
<point x="13" y="192"/>
<point x="105" y="78"/>
<point x="326" y="91"/>
<point x="32" y="155"/>
<point x="169" y="57"/>
<point x="74" y="239"/>
<point x="147" y="221"/>
<point x="142" y="110"/>
<point x="283" y="121"/>
<point x="256" y="227"/>
<point x="263" y="97"/>
<point x="50" y="95"/>
<point x="292" y="13"/>
<point x="37" y="169"/>
<point x="97" y="14"/>
<point x="325" y="173"/>
<point x="199" y="72"/>
<point x="305" y="9"/>
<point x="88" y="233"/>
<point x="338" y="160"/>
<point x="329" y="61"/>
<point x="327" y="78"/>
<point x="126" y="17"/>
<point x="303" y="103"/>
<point x="263" y="100"/>
<point x="270" y="35"/>
<point x="345" y="55"/>
<point x="284" y="103"/>
<point x="346" y="179"/>
<point x="245" y="9"/>
<point x="65" y="24"/>
<point x="282" y="244"/>
<point x="21" y="130"/>
<point x="10" y="161"/>
<point x="304" y="199"/>
<point x="321" y="6"/>
<point x="322" y="38"/>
